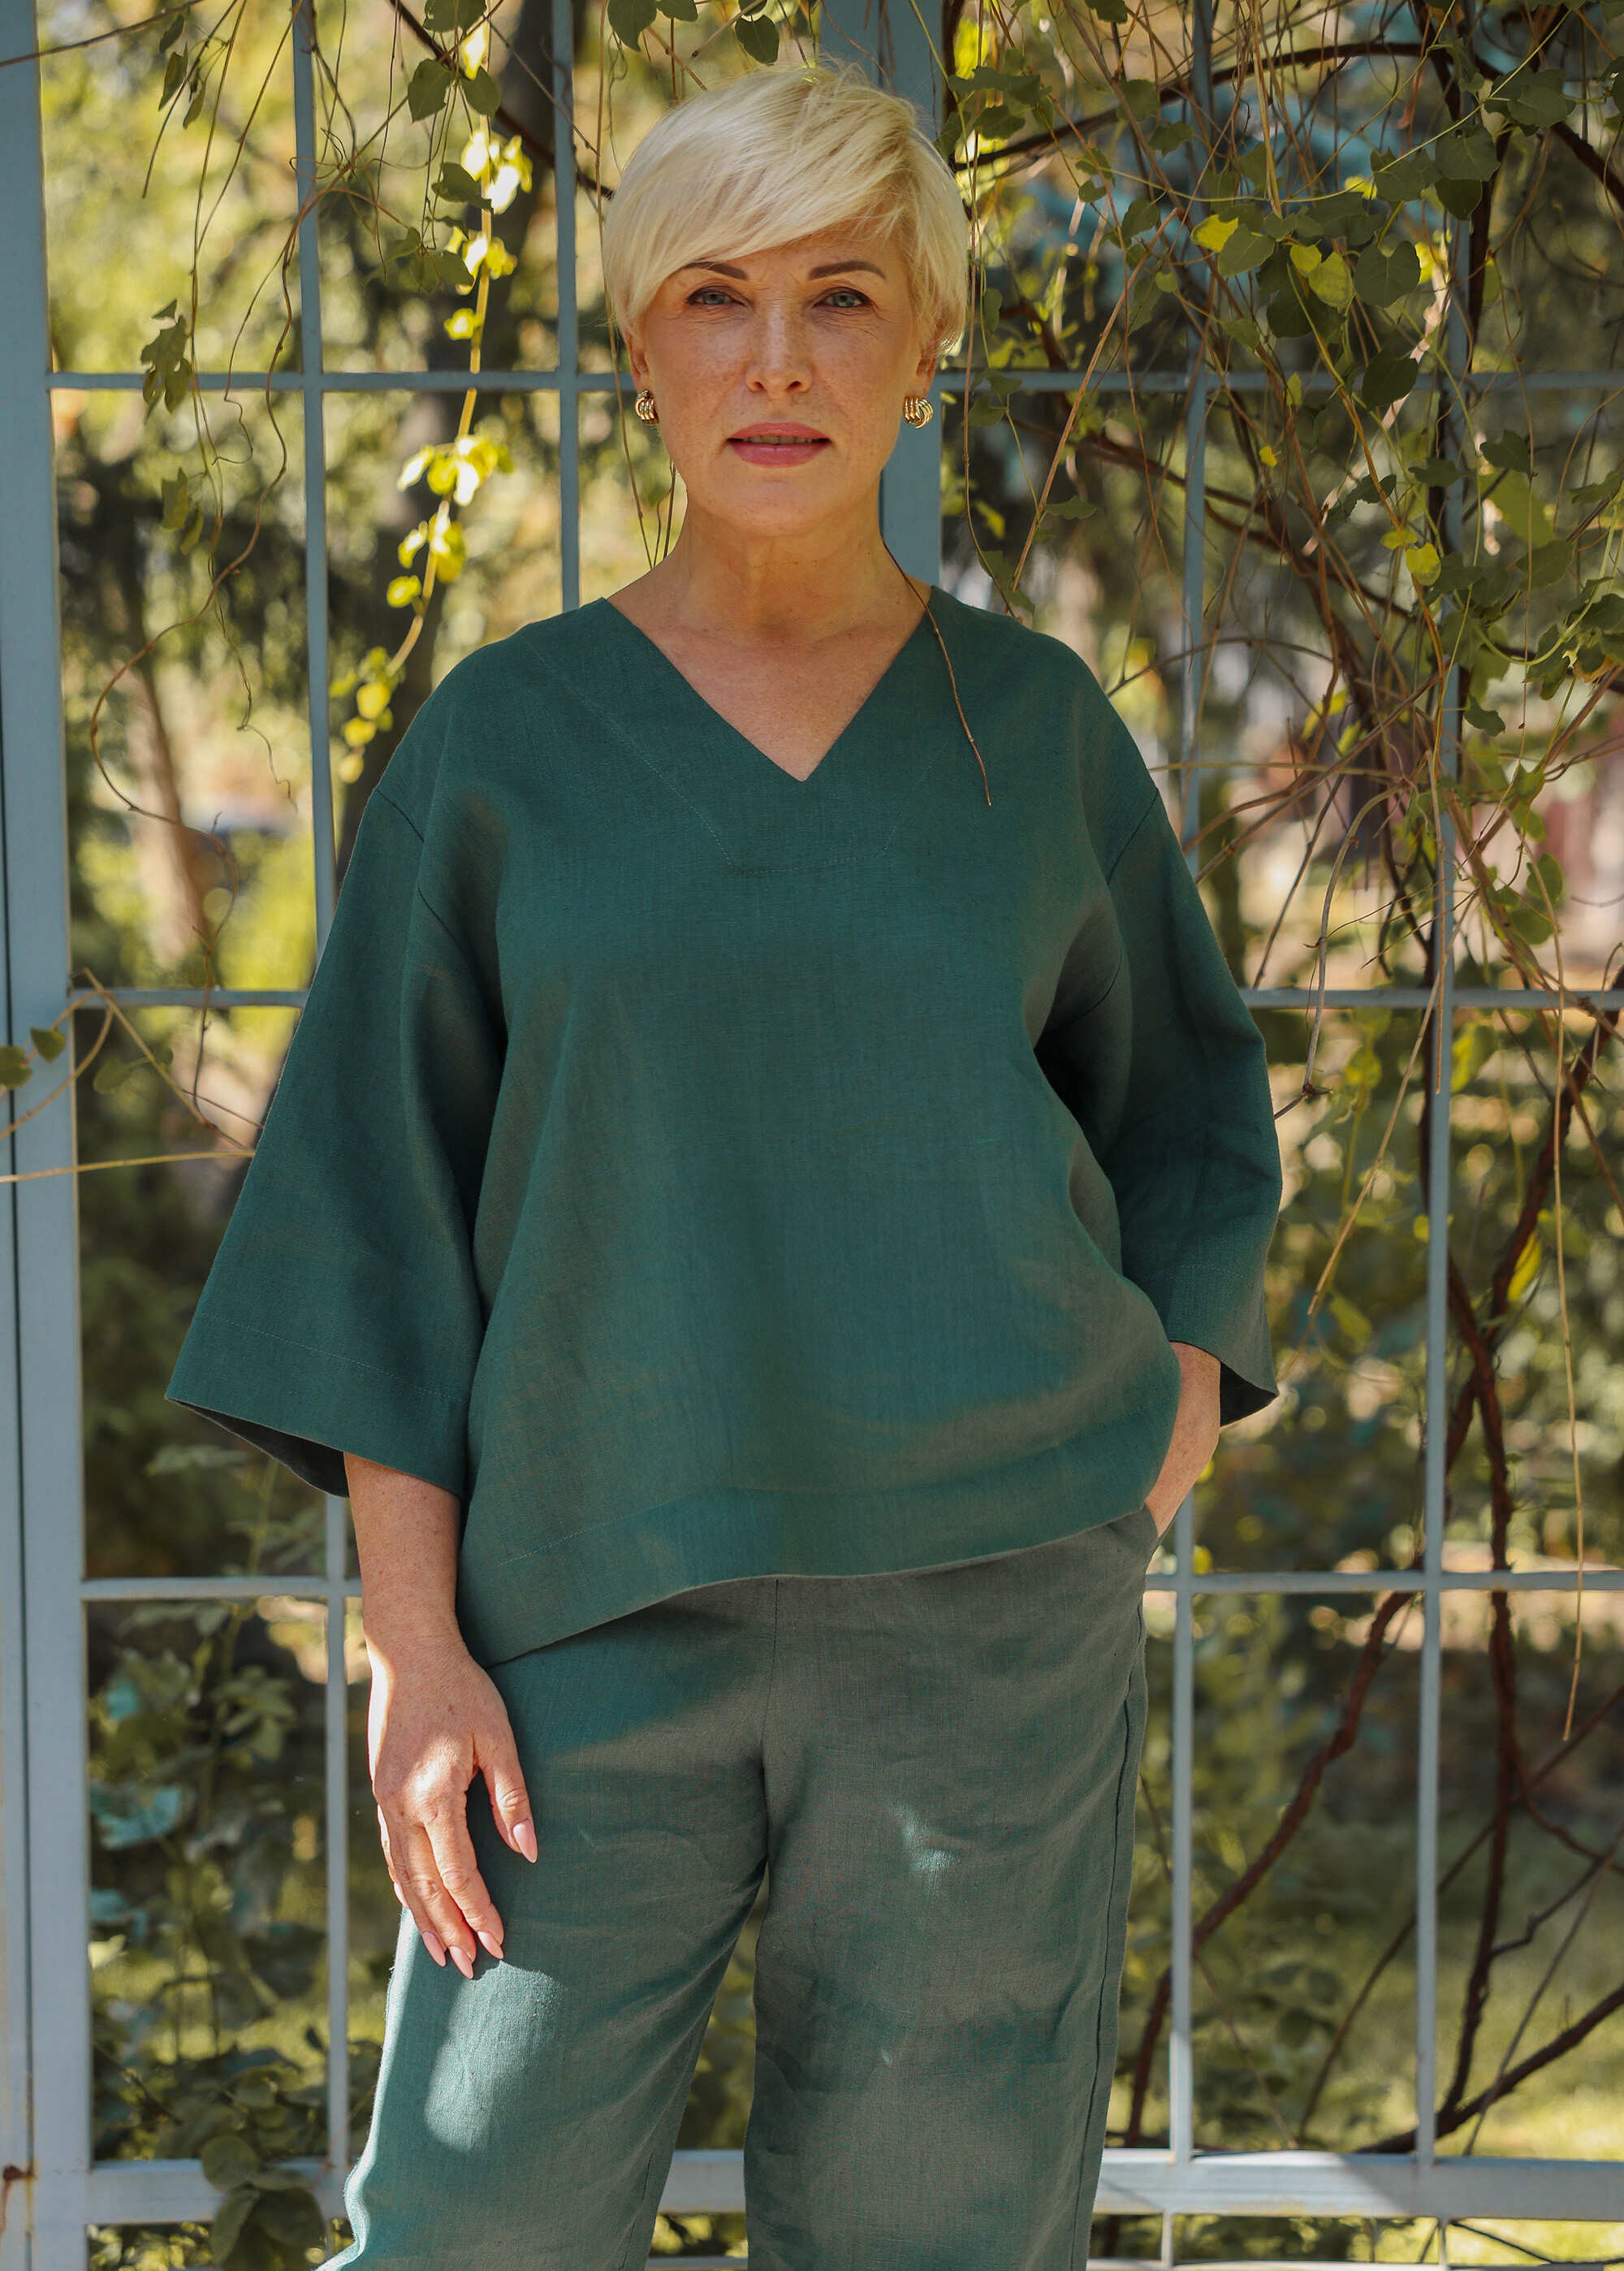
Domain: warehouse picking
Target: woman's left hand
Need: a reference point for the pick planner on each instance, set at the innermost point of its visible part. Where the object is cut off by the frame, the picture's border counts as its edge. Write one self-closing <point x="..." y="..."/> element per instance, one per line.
<point x="1195" y="1433"/>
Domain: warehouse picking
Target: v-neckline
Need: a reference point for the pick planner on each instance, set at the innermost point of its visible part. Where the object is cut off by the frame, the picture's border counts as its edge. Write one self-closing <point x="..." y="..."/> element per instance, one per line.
<point x="730" y="735"/>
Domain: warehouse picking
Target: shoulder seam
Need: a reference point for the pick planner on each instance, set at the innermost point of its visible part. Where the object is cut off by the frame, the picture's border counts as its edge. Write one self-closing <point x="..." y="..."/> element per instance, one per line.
<point x="1155" y="799"/>
<point x="399" y="810"/>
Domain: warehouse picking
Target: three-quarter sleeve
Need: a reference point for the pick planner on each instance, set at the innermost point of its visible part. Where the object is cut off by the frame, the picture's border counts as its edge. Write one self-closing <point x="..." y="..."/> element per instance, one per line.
<point x="342" y="1312"/>
<point x="1167" y="1073"/>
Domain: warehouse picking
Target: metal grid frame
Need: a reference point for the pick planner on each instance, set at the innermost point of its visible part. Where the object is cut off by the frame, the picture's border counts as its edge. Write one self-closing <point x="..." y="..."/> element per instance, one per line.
<point x="44" y="1976"/>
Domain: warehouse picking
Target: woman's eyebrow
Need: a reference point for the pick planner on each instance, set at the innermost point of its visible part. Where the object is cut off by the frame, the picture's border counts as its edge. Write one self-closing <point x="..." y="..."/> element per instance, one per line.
<point x="827" y="268"/>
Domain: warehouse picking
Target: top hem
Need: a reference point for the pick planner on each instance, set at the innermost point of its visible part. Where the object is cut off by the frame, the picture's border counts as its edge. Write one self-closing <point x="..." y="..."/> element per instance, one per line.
<point x="523" y="1601"/>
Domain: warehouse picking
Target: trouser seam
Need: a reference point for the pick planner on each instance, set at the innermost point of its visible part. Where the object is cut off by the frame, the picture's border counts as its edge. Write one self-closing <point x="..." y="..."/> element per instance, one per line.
<point x="772" y="1669"/>
<point x="1098" y="2081"/>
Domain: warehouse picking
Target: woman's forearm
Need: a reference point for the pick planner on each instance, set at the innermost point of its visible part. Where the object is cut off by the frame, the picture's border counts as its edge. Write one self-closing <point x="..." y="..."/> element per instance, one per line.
<point x="406" y="1536"/>
<point x="435" y="1720"/>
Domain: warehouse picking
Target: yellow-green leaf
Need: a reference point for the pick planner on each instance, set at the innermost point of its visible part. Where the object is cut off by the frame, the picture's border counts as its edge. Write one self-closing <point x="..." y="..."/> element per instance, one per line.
<point x="1330" y="280"/>
<point x="49" y="1042"/>
<point x="1529" y="1263"/>
<point x="1423" y="562"/>
<point x="1213" y="235"/>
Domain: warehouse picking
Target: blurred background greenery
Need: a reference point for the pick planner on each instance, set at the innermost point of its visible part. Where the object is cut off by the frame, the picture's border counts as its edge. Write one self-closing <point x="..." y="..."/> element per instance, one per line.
<point x="1314" y="799"/>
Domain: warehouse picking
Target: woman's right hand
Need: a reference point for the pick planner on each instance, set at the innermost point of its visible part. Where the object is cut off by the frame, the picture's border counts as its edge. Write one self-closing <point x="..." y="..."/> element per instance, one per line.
<point x="435" y="1720"/>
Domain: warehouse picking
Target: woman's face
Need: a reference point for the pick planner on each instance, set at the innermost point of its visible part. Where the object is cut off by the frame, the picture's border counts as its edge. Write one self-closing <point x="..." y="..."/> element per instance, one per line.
<point x="816" y="341"/>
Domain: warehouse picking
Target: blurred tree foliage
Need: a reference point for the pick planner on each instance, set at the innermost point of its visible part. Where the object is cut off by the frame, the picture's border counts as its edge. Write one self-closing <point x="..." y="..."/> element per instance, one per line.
<point x="1375" y="239"/>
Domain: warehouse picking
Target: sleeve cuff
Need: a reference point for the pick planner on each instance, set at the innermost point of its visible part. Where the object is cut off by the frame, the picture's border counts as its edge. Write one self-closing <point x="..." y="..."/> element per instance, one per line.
<point x="307" y="1406"/>
<point x="1246" y="1382"/>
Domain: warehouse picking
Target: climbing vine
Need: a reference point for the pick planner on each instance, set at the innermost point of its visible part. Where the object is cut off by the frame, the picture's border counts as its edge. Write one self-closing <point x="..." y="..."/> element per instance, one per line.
<point x="1270" y="400"/>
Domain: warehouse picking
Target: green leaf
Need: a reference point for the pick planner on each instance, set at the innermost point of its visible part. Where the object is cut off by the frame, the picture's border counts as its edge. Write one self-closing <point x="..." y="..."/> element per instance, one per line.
<point x="229" y="2160"/>
<point x="1244" y="251"/>
<point x="1380" y="277"/>
<point x="291" y="2218"/>
<point x="1332" y="282"/>
<point x="1509" y="453"/>
<point x="1435" y="472"/>
<point x="47" y="1041"/>
<point x="1487" y="721"/>
<point x="629" y="20"/>
<point x="1110" y="11"/>
<point x="14" y="1067"/>
<point x="1465" y="154"/>
<point x="1139" y="97"/>
<point x="1532" y="99"/>
<point x="446" y="16"/>
<point x="758" y="35"/>
<point x="1389" y="376"/>
<point x="1548" y="564"/>
<point x="1171" y="135"/>
<point x="484" y="94"/>
<point x="112" y="1072"/>
<point x="1399" y="180"/>
<point x="427" y="88"/>
<point x="1460" y="197"/>
<point x="457" y="186"/>
<point x="995" y="124"/>
<point x="1585" y="501"/>
<point x="1141" y="214"/>
<point x="229" y="2219"/>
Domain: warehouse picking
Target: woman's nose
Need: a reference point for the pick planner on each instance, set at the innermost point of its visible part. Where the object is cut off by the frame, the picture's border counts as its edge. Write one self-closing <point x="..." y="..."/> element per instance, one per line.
<point x="778" y="348"/>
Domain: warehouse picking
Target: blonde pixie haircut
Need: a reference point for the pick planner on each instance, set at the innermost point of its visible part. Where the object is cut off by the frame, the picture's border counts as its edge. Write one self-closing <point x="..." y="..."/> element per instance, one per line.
<point x="781" y="153"/>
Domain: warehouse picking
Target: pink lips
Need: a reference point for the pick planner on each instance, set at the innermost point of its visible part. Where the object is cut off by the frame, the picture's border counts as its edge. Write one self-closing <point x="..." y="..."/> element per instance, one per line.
<point x="778" y="443"/>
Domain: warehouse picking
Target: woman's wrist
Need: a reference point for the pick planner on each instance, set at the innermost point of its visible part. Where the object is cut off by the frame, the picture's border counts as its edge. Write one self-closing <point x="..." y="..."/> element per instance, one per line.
<point x="406" y="1536"/>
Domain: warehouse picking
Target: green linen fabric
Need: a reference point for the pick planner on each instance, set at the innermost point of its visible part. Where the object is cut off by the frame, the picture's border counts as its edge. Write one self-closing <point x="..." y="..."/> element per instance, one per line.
<point x="705" y="1173"/>
<point x="935" y="1772"/>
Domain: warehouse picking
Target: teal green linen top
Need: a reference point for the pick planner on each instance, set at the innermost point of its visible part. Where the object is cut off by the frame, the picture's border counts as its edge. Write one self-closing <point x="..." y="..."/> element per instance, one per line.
<point x="707" y="1173"/>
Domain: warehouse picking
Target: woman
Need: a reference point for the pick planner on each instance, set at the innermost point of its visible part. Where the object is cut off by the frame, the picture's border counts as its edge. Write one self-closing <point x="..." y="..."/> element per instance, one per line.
<point x="765" y="1213"/>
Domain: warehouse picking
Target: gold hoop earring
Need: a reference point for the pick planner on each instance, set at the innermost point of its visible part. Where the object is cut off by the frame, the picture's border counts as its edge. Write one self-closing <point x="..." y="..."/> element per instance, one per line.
<point x="918" y="409"/>
<point x="645" y="408"/>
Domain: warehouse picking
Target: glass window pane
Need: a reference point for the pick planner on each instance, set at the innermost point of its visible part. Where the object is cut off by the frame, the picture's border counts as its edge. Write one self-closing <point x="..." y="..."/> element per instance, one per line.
<point x="187" y="729"/>
<point x="373" y="317"/>
<point x="1516" y="1464"/>
<point x="1531" y="1897"/>
<point x="1543" y="762"/>
<point x="207" y="1900"/>
<point x="123" y="202"/>
<point x="507" y="573"/>
<point x="1304" y="1991"/>
<point x="167" y="1493"/>
<point x="1329" y="1474"/>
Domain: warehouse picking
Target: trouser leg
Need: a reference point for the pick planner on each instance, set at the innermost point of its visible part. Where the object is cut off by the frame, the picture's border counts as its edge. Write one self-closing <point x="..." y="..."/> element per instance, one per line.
<point x="951" y="1760"/>
<point x="526" y="2117"/>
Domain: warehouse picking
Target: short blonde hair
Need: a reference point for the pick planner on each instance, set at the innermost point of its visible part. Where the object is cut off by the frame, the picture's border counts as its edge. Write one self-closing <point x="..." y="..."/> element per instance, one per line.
<point x="781" y="153"/>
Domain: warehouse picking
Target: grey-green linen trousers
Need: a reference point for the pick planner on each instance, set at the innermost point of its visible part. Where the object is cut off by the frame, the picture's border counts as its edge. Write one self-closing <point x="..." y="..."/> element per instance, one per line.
<point x="937" y="1770"/>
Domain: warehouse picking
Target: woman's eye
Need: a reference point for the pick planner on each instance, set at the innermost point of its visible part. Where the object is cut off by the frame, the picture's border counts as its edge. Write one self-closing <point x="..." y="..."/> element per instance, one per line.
<point x="851" y="294"/>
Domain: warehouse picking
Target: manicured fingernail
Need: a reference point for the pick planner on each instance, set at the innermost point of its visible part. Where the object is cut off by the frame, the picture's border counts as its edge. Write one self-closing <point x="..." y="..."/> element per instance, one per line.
<point x="463" y="1961"/>
<point x="491" y="1945"/>
<point x="435" y="1945"/>
<point x="524" y="1838"/>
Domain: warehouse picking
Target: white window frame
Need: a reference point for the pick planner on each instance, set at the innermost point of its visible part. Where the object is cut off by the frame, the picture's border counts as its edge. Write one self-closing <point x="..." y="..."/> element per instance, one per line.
<point x="45" y="2080"/>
